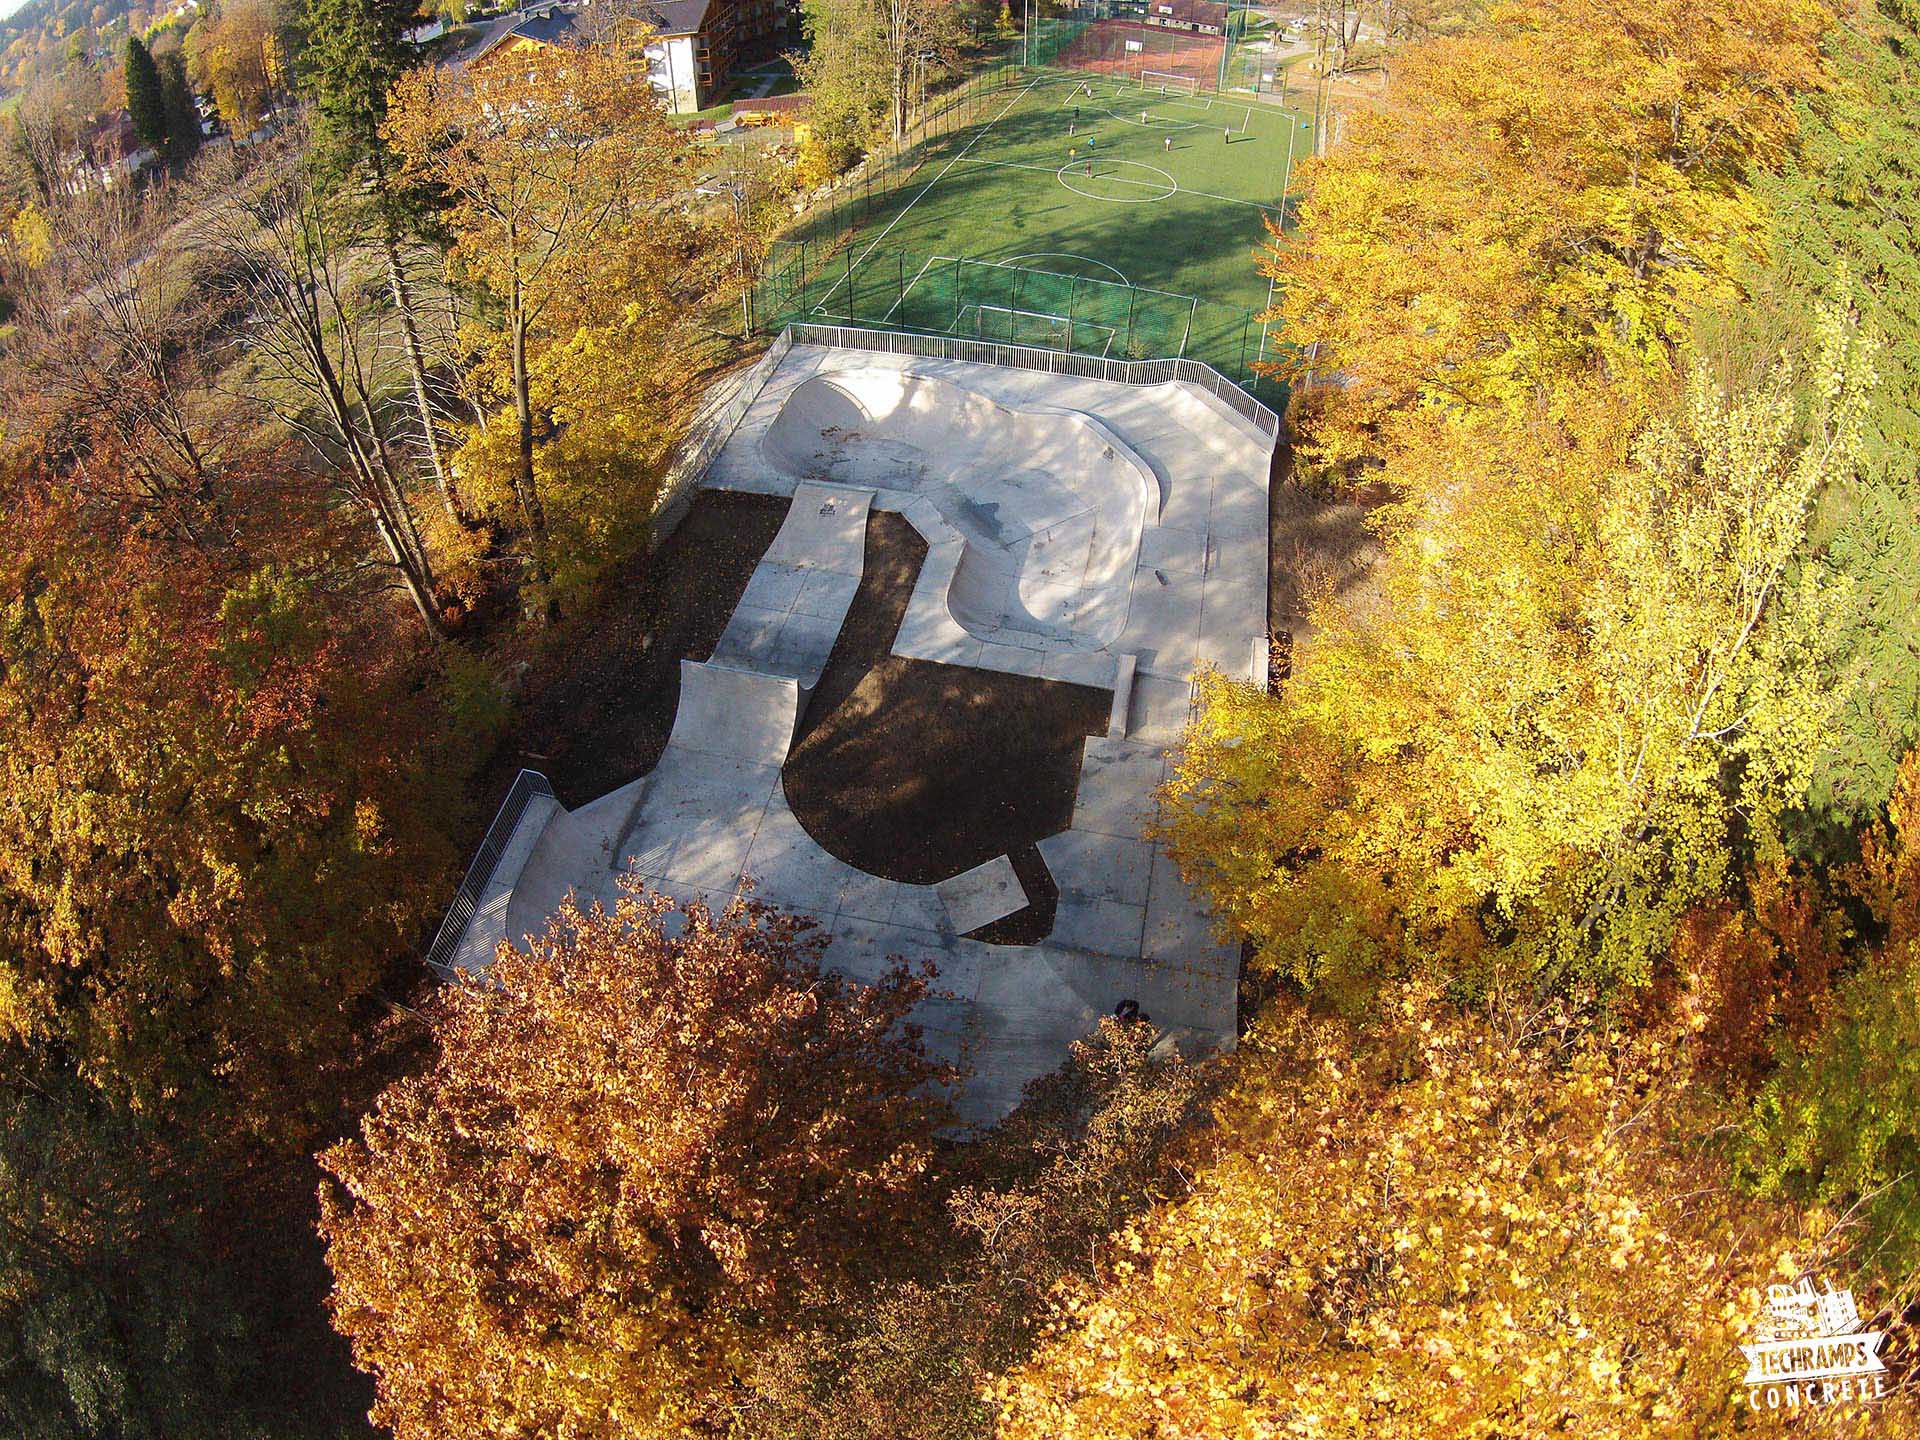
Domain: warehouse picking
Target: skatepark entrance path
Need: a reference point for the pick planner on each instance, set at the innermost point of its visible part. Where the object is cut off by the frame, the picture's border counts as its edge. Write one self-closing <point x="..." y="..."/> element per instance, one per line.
<point x="1103" y="534"/>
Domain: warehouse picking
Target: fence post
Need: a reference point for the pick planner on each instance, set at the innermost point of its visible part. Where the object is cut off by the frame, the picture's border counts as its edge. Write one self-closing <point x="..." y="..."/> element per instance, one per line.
<point x="849" y="254"/>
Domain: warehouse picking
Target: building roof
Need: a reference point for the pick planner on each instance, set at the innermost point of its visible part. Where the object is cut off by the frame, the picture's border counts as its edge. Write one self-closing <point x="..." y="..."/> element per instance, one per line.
<point x="547" y="25"/>
<point x="560" y="24"/>
<point x="675" y="17"/>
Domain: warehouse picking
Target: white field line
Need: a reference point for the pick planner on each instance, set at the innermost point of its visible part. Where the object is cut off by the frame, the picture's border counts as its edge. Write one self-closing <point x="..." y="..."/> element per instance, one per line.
<point x="861" y="260"/>
<point x="1122" y="180"/>
<point x="906" y="290"/>
<point x="1119" y="274"/>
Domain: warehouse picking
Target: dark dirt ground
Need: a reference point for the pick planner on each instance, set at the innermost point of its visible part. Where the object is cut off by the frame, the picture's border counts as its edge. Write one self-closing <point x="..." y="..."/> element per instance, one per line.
<point x="597" y="706"/>
<point x="917" y="771"/>
<point x="1318" y="546"/>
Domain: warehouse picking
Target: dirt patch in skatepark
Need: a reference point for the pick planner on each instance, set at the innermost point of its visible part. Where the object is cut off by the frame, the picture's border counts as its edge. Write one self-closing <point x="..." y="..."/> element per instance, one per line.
<point x="599" y="700"/>
<point x="917" y="771"/>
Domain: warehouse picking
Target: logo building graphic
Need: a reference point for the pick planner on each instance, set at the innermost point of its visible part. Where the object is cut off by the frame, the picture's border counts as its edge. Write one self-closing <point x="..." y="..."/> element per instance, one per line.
<point x="1809" y="1350"/>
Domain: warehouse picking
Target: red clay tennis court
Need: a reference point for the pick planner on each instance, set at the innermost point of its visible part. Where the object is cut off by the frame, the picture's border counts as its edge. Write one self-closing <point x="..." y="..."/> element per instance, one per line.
<point x="1133" y="49"/>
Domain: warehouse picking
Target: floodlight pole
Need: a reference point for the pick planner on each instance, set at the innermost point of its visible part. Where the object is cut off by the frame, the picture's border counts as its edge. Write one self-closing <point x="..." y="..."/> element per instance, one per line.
<point x="1286" y="175"/>
<point x="1261" y="355"/>
<point x="1226" y="45"/>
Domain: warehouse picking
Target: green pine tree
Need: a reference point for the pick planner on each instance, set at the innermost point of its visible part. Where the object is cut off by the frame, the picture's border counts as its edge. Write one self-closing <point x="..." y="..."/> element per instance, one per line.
<point x="145" y="102"/>
<point x="183" y="116"/>
<point x="356" y="50"/>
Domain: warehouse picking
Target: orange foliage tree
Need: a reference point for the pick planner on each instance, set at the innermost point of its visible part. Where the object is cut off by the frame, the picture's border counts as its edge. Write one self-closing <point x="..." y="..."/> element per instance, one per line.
<point x="206" y="855"/>
<point x="637" y="1157"/>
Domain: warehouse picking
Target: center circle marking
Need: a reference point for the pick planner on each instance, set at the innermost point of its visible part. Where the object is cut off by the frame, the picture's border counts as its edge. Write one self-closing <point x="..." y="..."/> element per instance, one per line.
<point x="1078" y="170"/>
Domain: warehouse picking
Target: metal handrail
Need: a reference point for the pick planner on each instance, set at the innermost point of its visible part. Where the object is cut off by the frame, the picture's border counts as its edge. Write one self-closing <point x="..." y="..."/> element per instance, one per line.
<point x="446" y="940"/>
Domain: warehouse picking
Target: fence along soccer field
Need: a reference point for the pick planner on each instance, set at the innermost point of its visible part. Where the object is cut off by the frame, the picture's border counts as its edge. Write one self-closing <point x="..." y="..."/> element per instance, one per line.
<point x="1201" y="45"/>
<point x="1069" y="210"/>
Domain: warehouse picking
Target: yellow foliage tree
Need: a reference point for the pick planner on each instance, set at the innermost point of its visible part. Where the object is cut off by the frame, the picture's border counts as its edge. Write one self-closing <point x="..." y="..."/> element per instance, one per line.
<point x="1554" y="191"/>
<point x="1438" y="1225"/>
<point x="238" y="56"/>
<point x="1574" y="701"/>
<point x="562" y="173"/>
<point x="31" y="235"/>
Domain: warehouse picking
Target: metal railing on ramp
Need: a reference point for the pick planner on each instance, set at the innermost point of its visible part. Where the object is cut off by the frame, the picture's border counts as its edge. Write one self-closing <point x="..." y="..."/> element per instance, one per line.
<point x="1052" y="362"/>
<point x="446" y="941"/>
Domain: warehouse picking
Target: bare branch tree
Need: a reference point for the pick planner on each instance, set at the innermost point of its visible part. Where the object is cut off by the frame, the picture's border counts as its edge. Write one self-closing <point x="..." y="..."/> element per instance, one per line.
<point x="277" y="247"/>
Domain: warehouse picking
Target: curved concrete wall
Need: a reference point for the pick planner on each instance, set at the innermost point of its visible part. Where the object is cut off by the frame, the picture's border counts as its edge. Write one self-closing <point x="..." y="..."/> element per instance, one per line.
<point x="1050" y="502"/>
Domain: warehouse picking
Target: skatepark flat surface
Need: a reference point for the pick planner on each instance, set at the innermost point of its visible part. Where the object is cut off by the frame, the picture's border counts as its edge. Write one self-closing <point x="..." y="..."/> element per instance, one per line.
<point x="1109" y="535"/>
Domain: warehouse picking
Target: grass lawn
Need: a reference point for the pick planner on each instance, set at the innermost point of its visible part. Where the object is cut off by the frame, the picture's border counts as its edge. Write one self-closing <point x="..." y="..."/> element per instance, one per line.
<point x="1140" y="211"/>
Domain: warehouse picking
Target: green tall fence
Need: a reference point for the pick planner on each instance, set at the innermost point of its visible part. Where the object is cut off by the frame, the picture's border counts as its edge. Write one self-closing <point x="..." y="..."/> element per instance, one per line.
<point x="840" y="281"/>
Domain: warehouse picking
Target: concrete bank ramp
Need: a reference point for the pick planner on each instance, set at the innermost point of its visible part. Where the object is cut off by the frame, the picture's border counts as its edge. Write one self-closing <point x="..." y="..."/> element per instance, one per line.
<point x="797" y="600"/>
<point x="739" y="714"/>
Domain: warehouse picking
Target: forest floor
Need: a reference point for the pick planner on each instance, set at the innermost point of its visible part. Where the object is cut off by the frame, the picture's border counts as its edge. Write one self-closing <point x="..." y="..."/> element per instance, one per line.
<point x="596" y="705"/>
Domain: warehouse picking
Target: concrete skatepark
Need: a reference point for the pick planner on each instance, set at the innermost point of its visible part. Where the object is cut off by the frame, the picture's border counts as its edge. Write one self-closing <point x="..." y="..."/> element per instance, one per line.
<point x="1104" y="534"/>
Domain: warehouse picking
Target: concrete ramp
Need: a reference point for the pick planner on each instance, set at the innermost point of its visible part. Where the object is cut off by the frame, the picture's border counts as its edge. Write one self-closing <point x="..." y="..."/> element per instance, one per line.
<point x="739" y="714"/>
<point x="788" y="619"/>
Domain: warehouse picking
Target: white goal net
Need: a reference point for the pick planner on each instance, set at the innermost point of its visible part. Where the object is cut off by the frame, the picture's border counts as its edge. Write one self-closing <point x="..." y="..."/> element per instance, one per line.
<point x="1168" y="84"/>
<point x="1035" y="328"/>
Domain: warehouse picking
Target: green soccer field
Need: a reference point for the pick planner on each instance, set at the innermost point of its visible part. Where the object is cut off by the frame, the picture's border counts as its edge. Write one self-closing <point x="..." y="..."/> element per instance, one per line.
<point x="1067" y="210"/>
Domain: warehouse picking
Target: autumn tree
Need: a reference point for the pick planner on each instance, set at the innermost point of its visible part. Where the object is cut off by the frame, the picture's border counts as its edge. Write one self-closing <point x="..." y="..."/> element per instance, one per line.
<point x="238" y="53"/>
<point x="106" y="362"/>
<point x="222" y="813"/>
<point x="1026" y="1208"/>
<point x="1559" y="189"/>
<point x="1576" y="705"/>
<point x="546" y="168"/>
<point x="1437" y="1223"/>
<point x="842" y="69"/>
<point x="639" y="1155"/>
<point x="862" y="58"/>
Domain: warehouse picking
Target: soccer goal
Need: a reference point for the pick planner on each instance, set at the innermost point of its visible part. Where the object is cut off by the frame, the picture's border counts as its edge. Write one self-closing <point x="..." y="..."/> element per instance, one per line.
<point x="1036" y="328"/>
<point x="1169" y="84"/>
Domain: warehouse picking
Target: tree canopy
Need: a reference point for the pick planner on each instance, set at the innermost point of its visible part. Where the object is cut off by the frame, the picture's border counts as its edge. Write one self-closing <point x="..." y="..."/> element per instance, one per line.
<point x="648" y="1142"/>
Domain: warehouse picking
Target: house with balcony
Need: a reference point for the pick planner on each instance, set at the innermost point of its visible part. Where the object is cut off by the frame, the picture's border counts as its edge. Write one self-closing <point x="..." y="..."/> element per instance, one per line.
<point x="692" y="47"/>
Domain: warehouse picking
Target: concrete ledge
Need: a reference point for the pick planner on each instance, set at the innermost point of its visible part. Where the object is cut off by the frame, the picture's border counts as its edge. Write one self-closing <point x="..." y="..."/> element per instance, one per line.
<point x="1122" y="697"/>
<point x="982" y="895"/>
<point x="489" y="924"/>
